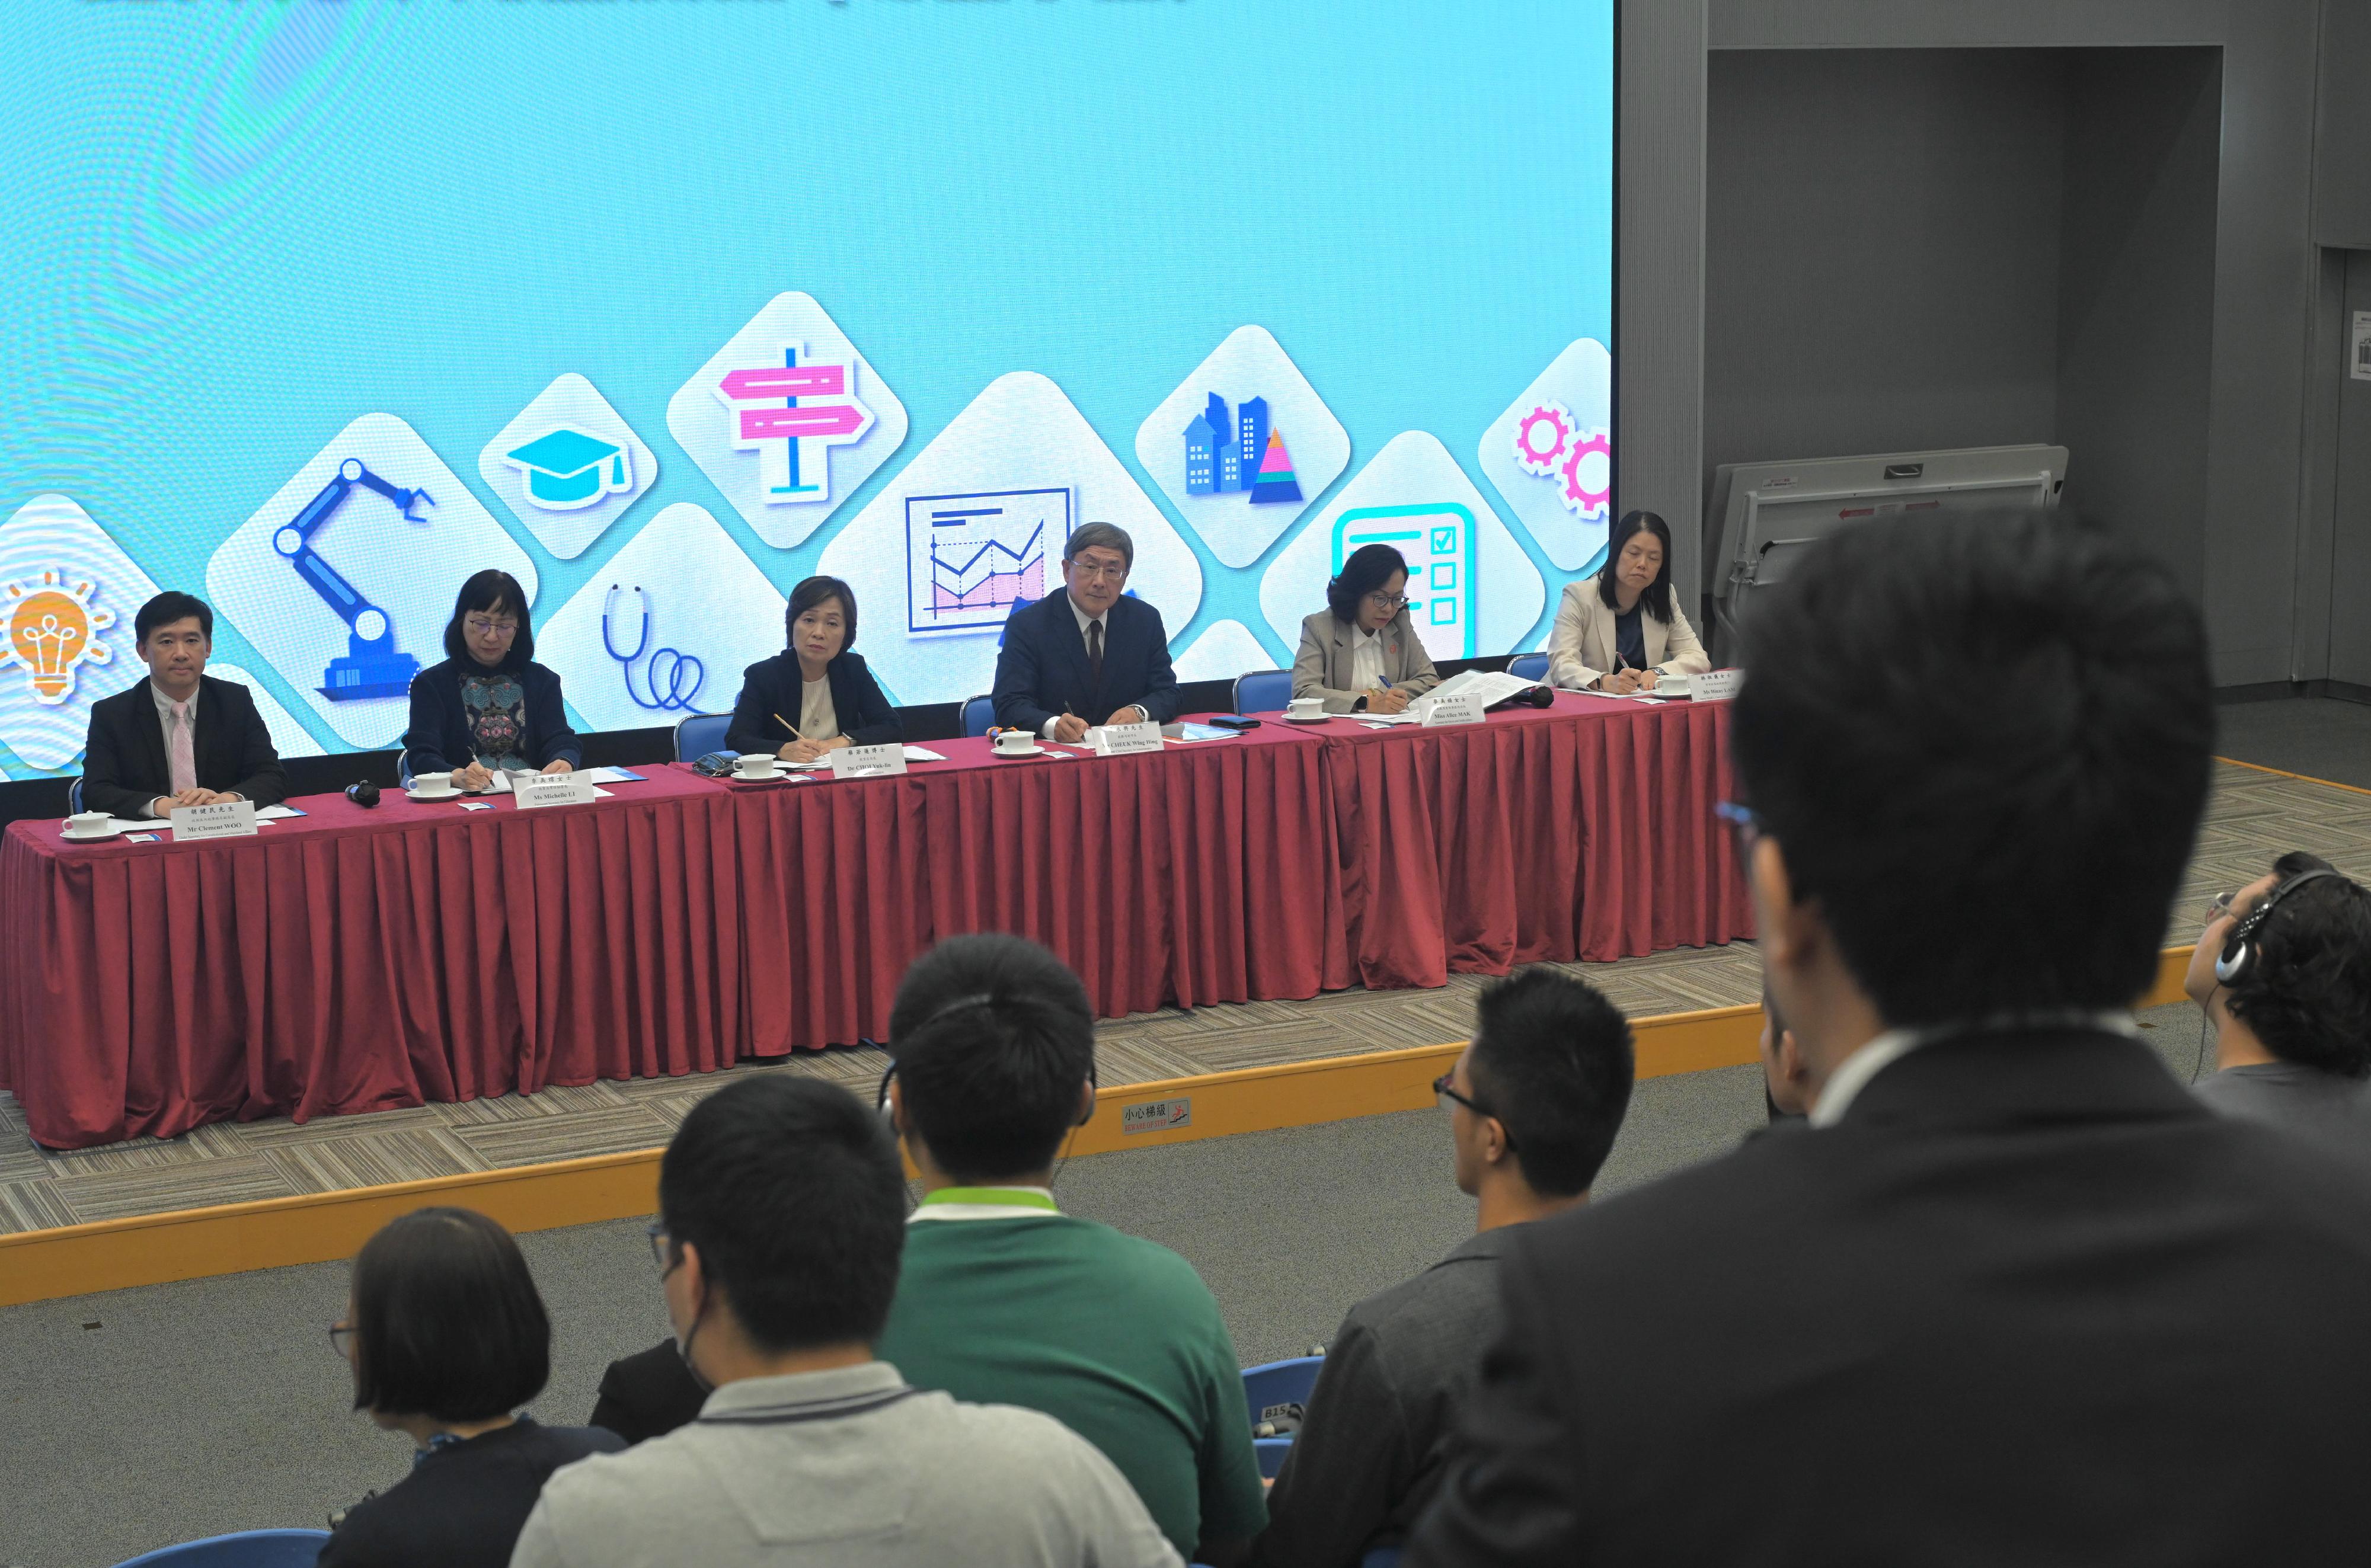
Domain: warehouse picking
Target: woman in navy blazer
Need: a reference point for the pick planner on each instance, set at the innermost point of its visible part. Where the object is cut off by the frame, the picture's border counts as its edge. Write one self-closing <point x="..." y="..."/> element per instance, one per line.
<point x="815" y="695"/>
<point x="488" y="705"/>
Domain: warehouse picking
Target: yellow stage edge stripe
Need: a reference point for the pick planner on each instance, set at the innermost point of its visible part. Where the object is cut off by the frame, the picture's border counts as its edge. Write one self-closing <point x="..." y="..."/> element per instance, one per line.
<point x="41" y="1266"/>
<point x="2302" y="777"/>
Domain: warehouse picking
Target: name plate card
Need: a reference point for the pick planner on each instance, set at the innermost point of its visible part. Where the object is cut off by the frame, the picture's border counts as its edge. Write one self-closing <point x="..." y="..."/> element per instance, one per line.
<point x="225" y="819"/>
<point x="867" y="762"/>
<point x="552" y="789"/>
<point x="1453" y="711"/>
<point x="1119" y="740"/>
<point x="1715" y="686"/>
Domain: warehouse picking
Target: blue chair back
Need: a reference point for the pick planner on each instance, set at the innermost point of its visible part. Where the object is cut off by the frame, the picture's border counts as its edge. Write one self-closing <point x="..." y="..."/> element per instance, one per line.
<point x="1529" y="666"/>
<point x="74" y="797"/>
<point x="1277" y="1383"/>
<point x="1270" y="1453"/>
<point x="978" y="715"/>
<point x="1262" y="691"/>
<point x="1380" y="1557"/>
<point x="697" y="734"/>
<point x="247" y="1549"/>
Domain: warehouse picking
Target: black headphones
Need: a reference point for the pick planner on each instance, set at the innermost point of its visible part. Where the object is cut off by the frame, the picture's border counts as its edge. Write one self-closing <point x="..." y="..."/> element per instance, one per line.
<point x="2238" y="955"/>
<point x="976" y="999"/>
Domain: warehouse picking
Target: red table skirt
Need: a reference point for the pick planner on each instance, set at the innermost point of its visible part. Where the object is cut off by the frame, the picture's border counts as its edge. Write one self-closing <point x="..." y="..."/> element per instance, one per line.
<point x="353" y="961"/>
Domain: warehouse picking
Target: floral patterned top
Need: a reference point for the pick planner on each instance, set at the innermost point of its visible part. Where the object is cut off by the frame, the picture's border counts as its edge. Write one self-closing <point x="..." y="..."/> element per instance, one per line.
<point x="496" y="706"/>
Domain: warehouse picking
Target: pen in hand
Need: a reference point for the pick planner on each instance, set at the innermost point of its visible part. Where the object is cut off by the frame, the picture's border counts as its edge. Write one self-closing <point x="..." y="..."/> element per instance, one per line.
<point x="786" y="724"/>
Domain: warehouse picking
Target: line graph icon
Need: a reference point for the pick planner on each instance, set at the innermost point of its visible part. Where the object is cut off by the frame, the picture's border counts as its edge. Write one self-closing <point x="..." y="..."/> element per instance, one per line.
<point x="970" y="558"/>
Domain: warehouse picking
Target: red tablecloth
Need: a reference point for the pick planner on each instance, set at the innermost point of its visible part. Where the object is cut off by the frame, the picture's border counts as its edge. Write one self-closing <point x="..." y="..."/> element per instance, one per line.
<point x="354" y="961"/>
<point x="1585" y="830"/>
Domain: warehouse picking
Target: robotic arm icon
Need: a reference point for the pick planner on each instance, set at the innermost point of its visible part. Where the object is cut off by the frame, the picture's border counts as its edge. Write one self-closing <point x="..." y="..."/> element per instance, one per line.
<point x="370" y="667"/>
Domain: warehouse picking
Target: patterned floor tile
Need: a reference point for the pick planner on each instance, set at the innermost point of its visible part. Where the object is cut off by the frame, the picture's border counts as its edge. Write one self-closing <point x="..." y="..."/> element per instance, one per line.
<point x="558" y="1100"/>
<point x="279" y="1132"/>
<point x="116" y="1194"/>
<point x="33" y="1206"/>
<point x="613" y="1131"/>
<point x="209" y="1144"/>
<point x="374" y="1160"/>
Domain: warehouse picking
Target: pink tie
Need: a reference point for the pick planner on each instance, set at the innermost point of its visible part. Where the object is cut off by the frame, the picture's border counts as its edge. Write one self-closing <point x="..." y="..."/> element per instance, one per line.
<point x="184" y="749"/>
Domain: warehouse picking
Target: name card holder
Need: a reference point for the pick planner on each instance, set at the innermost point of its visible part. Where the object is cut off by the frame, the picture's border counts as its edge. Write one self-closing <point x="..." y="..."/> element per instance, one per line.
<point x="1451" y="711"/>
<point x="1119" y="740"/>
<point x="225" y="819"/>
<point x="552" y="789"/>
<point x="867" y="762"/>
<point x="1715" y="686"/>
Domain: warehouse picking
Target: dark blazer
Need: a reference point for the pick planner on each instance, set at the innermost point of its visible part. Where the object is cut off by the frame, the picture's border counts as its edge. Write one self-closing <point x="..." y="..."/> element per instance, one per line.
<point x="462" y="1505"/>
<point x="124" y="767"/>
<point x="1043" y="664"/>
<point x="775" y="685"/>
<point x="2027" y="1302"/>
<point x="437" y="741"/>
<point x="648" y="1394"/>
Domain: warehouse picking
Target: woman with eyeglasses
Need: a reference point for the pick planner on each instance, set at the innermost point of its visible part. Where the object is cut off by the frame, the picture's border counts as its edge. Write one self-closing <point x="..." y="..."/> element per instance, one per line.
<point x="488" y="705"/>
<point x="1361" y="653"/>
<point x="1623" y="630"/>
<point x="447" y="1338"/>
<point x="815" y="695"/>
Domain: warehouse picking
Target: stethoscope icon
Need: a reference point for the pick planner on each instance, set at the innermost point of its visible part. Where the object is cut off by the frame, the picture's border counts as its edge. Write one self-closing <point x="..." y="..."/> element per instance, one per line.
<point x="685" y="674"/>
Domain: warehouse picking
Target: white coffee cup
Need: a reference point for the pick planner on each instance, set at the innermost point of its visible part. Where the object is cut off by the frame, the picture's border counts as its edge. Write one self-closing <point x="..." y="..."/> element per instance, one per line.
<point x="432" y="783"/>
<point x="1305" y="706"/>
<point x="755" y="765"/>
<point x="1015" y="741"/>
<point x="87" y="822"/>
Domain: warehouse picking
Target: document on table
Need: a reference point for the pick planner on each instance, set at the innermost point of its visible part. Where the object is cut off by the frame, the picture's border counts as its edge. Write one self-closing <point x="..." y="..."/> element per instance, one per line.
<point x="923" y="754"/>
<point x="274" y="813"/>
<point x="1186" y="732"/>
<point x="1485" y="686"/>
<point x="1625" y="696"/>
<point x="610" y="776"/>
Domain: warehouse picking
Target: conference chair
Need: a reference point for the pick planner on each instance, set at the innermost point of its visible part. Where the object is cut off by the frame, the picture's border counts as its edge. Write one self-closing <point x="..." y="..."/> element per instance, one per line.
<point x="74" y="798"/>
<point x="978" y="715"/>
<point x="697" y="734"/>
<point x="1262" y="691"/>
<point x="1274" y="1390"/>
<point x="247" y="1549"/>
<point x="1529" y="666"/>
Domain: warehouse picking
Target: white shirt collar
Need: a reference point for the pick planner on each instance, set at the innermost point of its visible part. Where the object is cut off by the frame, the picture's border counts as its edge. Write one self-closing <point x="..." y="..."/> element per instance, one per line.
<point x="1844" y="1086"/>
<point x="943" y="1210"/>
<point x="168" y="706"/>
<point x="1084" y="619"/>
<point x="1366" y="637"/>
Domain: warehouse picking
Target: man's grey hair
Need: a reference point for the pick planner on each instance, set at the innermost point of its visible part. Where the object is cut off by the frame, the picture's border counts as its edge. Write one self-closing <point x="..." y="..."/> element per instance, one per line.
<point x="1100" y="536"/>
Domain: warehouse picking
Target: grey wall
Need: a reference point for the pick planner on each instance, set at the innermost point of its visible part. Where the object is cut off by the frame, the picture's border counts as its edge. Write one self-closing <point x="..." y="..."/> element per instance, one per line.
<point x="2350" y="573"/>
<point x="2341" y="171"/>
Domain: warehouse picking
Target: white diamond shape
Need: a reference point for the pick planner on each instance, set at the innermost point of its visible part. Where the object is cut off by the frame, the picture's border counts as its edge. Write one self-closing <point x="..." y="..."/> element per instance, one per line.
<point x="1227" y="649"/>
<point x="1472" y="591"/>
<point x="711" y="615"/>
<point x="708" y="430"/>
<point x="1580" y="379"/>
<point x="1250" y="363"/>
<point x="1019" y="439"/>
<point x="50" y="533"/>
<point x="409" y="570"/>
<point x="571" y="402"/>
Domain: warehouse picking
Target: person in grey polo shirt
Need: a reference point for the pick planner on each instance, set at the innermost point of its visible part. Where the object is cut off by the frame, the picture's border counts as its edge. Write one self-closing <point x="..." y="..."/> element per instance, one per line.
<point x="782" y="1211"/>
<point x="1534" y="1101"/>
<point x="2283" y="973"/>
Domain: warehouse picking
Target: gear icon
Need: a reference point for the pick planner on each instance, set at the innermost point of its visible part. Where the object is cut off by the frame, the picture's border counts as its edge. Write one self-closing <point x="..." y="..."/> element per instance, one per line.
<point x="1588" y="486"/>
<point x="1542" y="436"/>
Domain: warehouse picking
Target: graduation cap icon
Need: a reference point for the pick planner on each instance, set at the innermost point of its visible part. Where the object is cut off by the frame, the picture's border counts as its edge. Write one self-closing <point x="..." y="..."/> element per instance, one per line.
<point x="567" y="468"/>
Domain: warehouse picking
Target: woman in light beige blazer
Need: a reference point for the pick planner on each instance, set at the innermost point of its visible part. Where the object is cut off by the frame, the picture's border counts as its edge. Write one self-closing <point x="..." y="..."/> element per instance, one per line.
<point x="1361" y="652"/>
<point x="1622" y="629"/>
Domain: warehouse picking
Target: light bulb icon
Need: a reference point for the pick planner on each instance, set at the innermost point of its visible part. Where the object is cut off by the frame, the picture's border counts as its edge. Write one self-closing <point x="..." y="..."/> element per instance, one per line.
<point x="51" y="631"/>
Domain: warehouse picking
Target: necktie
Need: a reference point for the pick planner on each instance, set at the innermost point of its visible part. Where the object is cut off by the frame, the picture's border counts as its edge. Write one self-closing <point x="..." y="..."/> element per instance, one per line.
<point x="181" y="749"/>
<point x="1094" y="658"/>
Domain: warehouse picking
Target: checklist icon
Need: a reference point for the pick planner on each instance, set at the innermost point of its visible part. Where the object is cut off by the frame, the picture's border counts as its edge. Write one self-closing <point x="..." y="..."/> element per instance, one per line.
<point x="1436" y="539"/>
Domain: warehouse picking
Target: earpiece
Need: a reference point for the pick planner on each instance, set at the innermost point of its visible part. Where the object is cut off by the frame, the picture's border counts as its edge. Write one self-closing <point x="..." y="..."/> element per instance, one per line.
<point x="2238" y="954"/>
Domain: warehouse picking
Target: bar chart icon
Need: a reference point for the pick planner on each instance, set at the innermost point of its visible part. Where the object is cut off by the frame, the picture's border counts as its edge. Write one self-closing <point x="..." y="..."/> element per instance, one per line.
<point x="970" y="558"/>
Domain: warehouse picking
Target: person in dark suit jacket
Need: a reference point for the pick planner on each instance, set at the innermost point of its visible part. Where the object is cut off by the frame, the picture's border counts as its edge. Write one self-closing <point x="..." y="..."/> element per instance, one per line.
<point x="179" y="737"/>
<point x="448" y="1337"/>
<point x="1088" y="655"/>
<point x="488" y="705"/>
<point x="815" y="695"/>
<point x="2009" y="1294"/>
<point x="648" y="1394"/>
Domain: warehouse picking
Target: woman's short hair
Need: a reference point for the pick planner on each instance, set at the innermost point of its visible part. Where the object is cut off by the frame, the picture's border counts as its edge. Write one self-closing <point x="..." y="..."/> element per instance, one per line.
<point x="1658" y="596"/>
<point x="487" y="591"/>
<point x="448" y="1321"/>
<point x="1369" y="568"/>
<point x="814" y="591"/>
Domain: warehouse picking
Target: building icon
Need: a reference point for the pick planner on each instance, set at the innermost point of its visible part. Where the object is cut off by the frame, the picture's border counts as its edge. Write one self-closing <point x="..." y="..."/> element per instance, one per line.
<point x="1251" y="437"/>
<point x="1224" y="453"/>
<point x="1202" y="455"/>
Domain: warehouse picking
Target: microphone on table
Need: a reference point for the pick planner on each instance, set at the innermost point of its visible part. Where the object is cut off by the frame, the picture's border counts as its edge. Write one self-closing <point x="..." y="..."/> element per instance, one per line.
<point x="364" y="794"/>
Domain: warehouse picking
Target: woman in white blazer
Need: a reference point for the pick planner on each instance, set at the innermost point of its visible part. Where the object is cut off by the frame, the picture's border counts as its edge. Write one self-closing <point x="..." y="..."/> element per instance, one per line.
<point x="1361" y="652"/>
<point x="1622" y="629"/>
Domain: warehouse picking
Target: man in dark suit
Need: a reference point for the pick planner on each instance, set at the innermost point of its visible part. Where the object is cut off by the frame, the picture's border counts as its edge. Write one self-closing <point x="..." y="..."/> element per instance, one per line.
<point x="1088" y="655"/>
<point x="177" y="738"/>
<point x="2010" y="1295"/>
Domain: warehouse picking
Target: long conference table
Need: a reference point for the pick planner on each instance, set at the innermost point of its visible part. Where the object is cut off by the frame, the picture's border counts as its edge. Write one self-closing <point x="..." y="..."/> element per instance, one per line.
<point x="358" y="960"/>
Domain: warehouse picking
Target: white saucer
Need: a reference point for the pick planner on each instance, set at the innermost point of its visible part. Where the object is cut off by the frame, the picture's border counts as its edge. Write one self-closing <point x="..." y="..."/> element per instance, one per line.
<point x="1311" y="719"/>
<point x="1034" y="750"/>
<point x="71" y="837"/>
<point x="439" y="795"/>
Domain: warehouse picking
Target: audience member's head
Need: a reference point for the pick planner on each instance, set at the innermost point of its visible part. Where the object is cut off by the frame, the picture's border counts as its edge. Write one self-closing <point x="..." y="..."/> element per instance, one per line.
<point x="994" y="1046"/>
<point x="1786" y="1081"/>
<point x="1975" y="748"/>
<point x="782" y="1216"/>
<point x="1537" y="1095"/>
<point x="2297" y="945"/>
<point x="445" y="1327"/>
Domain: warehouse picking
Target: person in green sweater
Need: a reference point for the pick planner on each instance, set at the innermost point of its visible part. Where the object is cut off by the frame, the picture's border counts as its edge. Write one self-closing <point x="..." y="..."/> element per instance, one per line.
<point x="1004" y="1298"/>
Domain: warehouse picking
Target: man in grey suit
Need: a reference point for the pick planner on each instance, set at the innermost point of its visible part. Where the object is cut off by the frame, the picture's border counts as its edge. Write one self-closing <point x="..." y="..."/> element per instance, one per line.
<point x="1534" y="1102"/>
